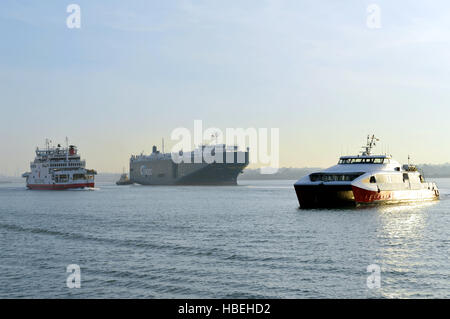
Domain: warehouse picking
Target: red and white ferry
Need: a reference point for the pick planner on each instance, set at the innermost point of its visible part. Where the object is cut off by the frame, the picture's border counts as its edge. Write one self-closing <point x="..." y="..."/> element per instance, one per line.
<point x="56" y="168"/>
<point x="364" y="179"/>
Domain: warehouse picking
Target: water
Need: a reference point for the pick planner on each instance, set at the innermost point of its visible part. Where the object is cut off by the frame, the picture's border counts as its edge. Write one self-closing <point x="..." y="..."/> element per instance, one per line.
<point x="249" y="241"/>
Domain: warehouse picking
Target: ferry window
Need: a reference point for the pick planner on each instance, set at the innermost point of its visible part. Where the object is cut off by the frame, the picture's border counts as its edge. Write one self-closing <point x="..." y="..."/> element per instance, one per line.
<point x="316" y="177"/>
<point x="361" y="161"/>
<point x="405" y="177"/>
<point x="373" y="179"/>
<point x="378" y="160"/>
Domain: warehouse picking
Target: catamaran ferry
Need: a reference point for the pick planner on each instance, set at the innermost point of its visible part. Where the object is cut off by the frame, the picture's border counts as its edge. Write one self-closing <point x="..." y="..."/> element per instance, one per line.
<point x="364" y="179"/>
<point x="57" y="168"/>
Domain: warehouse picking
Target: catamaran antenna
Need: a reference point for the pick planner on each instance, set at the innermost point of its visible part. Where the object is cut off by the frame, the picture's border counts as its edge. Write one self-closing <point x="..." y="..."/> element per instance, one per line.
<point x="371" y="142"/>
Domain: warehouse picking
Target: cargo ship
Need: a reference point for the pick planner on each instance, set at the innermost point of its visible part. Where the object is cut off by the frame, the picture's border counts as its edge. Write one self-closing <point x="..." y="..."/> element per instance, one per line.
<point x="221" y="167"/>
<point x="364" y="179"/>
<point x="58" y="168"/>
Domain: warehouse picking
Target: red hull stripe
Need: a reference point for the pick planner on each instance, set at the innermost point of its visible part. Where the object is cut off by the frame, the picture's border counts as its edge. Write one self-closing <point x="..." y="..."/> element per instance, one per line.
<point x="59" y="186"/>
<point x="367" y="196"/>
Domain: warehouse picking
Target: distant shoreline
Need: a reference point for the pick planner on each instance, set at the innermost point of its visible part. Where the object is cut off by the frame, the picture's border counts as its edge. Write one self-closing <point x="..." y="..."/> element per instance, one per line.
<point x="283" y="173"/>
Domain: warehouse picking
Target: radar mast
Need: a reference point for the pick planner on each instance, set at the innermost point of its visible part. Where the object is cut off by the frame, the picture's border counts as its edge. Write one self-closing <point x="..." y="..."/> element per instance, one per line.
<point x="371" y="143"/>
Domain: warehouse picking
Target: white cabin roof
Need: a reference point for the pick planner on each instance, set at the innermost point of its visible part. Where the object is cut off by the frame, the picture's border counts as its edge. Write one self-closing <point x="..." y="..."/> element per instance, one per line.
<point x="365" y="156"/>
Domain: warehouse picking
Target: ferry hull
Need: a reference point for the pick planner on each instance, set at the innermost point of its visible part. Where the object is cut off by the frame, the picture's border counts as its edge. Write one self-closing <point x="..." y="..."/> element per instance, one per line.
<point x="59" y="186"/>
<point x="330" y="196"/>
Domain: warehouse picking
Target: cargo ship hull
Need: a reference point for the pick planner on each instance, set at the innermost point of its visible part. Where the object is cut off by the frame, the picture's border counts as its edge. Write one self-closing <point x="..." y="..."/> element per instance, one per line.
<point x="161" y="169"/>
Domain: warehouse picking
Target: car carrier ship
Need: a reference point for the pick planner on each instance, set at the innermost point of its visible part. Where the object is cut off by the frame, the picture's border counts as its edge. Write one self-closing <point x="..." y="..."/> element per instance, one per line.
<point x="221" y="167"/>
<point x="57" y="168"/>
<point x="364" y="179"/>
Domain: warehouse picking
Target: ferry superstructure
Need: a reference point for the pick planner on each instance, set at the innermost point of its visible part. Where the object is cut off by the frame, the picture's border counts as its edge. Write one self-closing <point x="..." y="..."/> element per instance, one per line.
<point x="57" y="168"/>
<point x="364" y="179"/>
<point x="223" y="168"/>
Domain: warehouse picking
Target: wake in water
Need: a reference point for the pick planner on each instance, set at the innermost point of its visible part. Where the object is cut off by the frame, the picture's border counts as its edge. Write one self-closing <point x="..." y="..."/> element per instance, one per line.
<point x="83" y="189"/>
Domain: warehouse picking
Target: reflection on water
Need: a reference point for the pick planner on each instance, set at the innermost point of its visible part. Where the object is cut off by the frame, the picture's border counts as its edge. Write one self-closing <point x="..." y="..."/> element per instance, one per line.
<point x="400" y="232"/>
<point x="217" y="242"/>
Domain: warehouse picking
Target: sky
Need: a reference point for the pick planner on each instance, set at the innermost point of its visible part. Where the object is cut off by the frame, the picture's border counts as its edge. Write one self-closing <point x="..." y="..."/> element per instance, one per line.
<point x="136" y="70"/>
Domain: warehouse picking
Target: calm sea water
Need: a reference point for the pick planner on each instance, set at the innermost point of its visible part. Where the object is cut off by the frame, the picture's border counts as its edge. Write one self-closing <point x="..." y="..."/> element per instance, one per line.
<point x="248" y="241"/>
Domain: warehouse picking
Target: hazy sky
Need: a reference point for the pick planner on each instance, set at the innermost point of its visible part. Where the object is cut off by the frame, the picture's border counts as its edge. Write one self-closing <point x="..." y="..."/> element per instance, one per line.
<point x="136" y="70"/>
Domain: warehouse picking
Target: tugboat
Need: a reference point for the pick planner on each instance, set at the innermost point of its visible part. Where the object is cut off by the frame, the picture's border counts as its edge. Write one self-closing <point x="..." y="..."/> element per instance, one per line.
<point x="57" y="168"/>
<point x="124" y="180"/>
<point x="364" y="179"/>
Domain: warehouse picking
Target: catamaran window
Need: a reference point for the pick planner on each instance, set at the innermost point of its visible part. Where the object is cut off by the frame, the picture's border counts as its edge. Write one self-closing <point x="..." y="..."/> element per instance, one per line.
<point x="325" y="177"/>
<point x="405" y="177"/>
<point x="373" y="179"/>
<point x="389" y="179"/>
<point x="361" y="160"/>
<point x="378" y="161"/>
